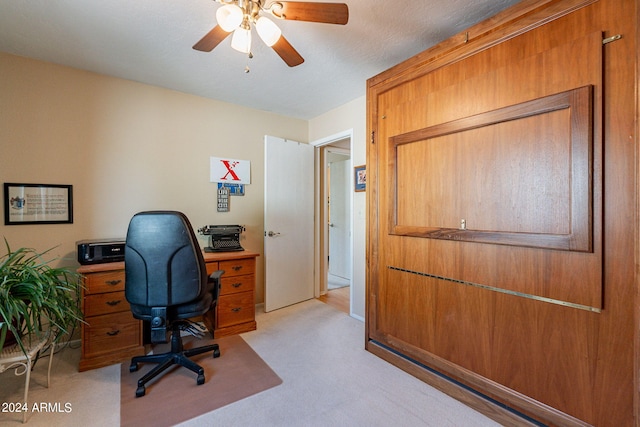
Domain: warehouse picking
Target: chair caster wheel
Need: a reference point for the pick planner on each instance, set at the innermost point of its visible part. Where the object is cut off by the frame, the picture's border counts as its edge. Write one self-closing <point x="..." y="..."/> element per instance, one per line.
<point x="140" y="391"/>
<point x="133" y="367"/>
<point x="200" y="379"/>
<point x="216" y="353"/>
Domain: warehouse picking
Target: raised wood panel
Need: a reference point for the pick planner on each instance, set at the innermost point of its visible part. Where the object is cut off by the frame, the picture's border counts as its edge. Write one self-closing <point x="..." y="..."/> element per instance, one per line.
<point x="520" y="175"/>
<point x="549" y="332"/>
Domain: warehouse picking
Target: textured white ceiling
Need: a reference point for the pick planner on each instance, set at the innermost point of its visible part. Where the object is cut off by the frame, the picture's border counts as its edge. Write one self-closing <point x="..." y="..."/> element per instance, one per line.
<point x="150" y="41"/>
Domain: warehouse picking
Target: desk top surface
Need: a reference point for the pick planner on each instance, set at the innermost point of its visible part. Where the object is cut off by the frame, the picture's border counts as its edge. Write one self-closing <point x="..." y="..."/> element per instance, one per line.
<point x="208" y="257"/>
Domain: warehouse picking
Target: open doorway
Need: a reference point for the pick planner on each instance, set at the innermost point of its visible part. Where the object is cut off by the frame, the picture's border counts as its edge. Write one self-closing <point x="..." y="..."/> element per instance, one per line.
<point x="335" y="222"/>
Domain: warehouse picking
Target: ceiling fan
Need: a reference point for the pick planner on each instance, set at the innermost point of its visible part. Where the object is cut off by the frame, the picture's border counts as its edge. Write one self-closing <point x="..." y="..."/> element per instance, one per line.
<point x="237" y="17"/>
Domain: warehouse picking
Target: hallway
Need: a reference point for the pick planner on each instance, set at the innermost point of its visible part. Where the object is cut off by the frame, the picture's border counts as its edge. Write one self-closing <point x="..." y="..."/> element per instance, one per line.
<point x="337" y="298"/>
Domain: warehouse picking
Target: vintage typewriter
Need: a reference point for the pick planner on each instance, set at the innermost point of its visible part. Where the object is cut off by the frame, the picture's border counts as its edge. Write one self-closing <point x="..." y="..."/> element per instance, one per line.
<point x="222" y="238"/>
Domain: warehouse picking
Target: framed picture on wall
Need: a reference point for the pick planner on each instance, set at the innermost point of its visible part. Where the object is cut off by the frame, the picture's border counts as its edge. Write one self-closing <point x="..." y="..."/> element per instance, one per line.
<point x="37" y="204"/>
<point x="360" y="178"/>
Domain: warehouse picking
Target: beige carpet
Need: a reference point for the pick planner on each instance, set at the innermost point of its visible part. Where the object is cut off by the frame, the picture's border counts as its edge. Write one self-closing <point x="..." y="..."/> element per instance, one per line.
<point x="174" y="397"/>
<point x="328" y="379"/>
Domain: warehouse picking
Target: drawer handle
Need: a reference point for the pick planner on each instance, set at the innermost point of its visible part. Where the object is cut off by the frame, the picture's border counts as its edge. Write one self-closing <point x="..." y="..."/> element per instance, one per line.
<point x="113" y="333"/>
<point x="236" y="310"/>
<point x="112" y="282"/>
<point x="236" y="285"/>
<point x="236" y="268"/>
<point x="114" y="303"/>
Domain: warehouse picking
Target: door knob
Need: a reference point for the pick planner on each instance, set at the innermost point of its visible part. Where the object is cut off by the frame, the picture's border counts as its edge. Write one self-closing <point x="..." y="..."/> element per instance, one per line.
<point x="273" y="234"/>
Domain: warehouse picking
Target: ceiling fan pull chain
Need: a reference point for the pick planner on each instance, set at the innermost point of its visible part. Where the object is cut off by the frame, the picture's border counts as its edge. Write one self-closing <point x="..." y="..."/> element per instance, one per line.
<point x="246" y="68"/>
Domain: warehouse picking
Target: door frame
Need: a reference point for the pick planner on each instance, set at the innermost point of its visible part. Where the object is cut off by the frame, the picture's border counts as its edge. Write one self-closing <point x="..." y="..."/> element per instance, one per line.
<point x="320" y="258"/>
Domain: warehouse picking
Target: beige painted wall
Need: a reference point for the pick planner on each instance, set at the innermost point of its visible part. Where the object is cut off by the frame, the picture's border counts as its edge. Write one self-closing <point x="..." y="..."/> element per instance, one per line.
<point x="126" y="147"/>
<point x="350" y="117"/>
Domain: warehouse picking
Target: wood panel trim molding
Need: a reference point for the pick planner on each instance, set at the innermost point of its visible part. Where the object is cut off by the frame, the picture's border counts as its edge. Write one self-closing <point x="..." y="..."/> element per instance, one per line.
<point x="500" y="290"/>
<point x="579" y="238"/>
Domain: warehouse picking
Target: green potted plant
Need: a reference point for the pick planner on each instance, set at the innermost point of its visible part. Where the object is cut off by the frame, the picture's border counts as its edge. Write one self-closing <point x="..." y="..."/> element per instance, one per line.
<point x="36" y="297"/>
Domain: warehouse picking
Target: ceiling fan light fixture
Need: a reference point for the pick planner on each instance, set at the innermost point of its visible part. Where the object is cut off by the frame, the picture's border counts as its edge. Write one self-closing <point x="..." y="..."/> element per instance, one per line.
<point x="239" y="16"/>
<point x="229" y="17"/>
<point x="268" y="31"/>
<point x="241" y="40"/>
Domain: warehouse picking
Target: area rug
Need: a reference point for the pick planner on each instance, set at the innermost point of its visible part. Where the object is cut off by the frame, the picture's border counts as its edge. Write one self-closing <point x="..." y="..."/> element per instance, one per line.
<point x="174" y="397"/>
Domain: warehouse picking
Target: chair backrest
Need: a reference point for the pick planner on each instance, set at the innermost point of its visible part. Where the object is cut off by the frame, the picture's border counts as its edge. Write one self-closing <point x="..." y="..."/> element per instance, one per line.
<point x="164" y="265"/>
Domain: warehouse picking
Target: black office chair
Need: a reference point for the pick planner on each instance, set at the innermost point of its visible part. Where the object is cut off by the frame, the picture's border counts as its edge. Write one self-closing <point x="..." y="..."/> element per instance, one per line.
<point x="166" y="284"/>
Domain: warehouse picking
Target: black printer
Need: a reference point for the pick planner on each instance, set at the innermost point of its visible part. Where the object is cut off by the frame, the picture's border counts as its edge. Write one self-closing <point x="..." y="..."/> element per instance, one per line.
<point x="100" y="251"/>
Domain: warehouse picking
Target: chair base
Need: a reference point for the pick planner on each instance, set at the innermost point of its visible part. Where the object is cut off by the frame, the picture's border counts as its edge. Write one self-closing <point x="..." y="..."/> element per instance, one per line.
<point x="177" y="356"/>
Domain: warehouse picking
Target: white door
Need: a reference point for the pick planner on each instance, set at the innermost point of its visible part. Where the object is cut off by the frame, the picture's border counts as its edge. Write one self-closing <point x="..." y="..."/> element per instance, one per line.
<point x="288" y="222"/>
<point x="339" y="227"/>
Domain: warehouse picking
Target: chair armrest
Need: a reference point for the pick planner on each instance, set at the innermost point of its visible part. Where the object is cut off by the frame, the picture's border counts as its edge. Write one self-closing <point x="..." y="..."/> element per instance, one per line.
<point x="216" y="275"/>
<point x="214" y="284"/>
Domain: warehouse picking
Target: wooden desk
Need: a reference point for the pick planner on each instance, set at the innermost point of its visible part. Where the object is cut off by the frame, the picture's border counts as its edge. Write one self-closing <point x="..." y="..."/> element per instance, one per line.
<point x="112" y="335"/>
<point x="236" y="309"/>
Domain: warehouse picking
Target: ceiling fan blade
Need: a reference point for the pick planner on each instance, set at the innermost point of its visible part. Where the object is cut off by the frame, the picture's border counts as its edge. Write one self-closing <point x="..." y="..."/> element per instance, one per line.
<point x="287" y="52"/>
<point x="328" y="13"/>
<point x="211" y="39"/>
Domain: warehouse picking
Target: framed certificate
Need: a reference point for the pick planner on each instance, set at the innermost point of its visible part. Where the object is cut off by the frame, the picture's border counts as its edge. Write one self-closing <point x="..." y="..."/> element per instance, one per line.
<point x="37" y="204"/>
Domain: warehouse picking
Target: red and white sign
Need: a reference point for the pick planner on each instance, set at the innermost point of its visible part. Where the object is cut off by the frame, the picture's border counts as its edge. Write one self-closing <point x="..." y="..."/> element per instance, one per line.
<point x="230" y="170"/>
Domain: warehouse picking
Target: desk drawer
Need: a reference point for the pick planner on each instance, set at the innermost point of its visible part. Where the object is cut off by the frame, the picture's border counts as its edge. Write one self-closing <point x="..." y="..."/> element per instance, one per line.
<point x="235" y="284"/>
<point x="238" y="267"/>
<point x="110" y="302"/>
<point x="108" y="333"/>
<point x="108" y="281"/>
<point x="235" y="308"/>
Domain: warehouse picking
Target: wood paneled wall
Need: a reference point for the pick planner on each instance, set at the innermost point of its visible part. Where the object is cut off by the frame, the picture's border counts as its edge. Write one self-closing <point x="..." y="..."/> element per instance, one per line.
<point x="502" y="204"/>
